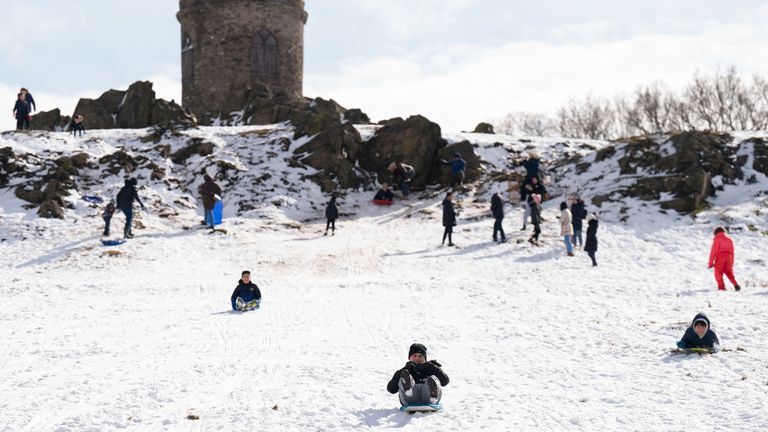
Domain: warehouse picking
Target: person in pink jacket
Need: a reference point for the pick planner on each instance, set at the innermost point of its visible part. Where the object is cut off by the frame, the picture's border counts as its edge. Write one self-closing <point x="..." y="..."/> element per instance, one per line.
<point x="721" y="258"/>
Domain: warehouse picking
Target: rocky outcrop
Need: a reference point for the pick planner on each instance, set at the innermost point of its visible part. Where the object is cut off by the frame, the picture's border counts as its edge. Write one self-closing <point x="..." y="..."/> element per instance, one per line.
<point x="484" y="128"/>
<point x="357" y="117"/>
<point x="415" y="141"/>
<point x="50" y="120"/>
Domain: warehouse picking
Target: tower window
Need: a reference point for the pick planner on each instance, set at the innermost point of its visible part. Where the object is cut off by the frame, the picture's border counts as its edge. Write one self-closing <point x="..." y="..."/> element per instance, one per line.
<point x="265" y="56"/>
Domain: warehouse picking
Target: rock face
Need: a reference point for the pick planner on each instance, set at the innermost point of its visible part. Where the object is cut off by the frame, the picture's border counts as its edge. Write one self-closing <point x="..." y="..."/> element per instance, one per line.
<point x="484" y="128"/>
<point x="134" y="108"/>
<point x="415" y="141"/>
<point x="357" y="117"/>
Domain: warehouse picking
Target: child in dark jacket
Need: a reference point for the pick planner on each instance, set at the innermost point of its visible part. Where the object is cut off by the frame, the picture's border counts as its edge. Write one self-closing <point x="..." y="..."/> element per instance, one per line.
<point x="590" y="247"/>
<point x="420" y="381"/>
<point x="109" y="210"/>
<point x="331" y="213"/>
<point x="699" y="335"/>
<point x="247" y="295"/>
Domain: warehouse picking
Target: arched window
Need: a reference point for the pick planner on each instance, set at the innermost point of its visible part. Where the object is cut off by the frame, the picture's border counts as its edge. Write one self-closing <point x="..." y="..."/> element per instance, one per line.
<point x="265" y="56"/>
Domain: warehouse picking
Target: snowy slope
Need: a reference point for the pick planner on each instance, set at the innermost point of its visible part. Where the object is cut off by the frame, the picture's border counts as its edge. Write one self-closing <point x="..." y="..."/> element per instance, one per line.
<point x="134" y="337"/>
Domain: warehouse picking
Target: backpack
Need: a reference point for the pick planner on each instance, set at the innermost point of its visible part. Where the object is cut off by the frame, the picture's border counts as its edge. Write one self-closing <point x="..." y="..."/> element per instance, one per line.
<point x="410" y="173"/>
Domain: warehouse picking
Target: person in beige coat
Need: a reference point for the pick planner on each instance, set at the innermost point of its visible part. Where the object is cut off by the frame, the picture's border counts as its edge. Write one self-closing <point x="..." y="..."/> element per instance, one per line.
<point x="566" y="229"/>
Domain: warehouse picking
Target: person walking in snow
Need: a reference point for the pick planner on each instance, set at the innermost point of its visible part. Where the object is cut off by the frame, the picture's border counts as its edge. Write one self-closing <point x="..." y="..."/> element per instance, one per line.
<point x="29" y="99"/>
<point x="109" y="210"/>
<point x="590" y="247"/>
<point x="535" y="219"/>
<point x="457" y="165"/>
<point x="21" y="113"/>
<point x="402" y="174"/>
<point x="331" y="214"/>
<point x="566" y="229"/>
<point x="125" y="198"/>
<point x="579" y="213"/>
<point x="449" y="218"/>
<point x="419" y="382"/>
<point x="497" y="209"/>
<point x="533" y="188"/>
<point x="210" y="193"/>
<point x="246" y="295"/>
<point x="76" y="125"/>
<point x="721" y="257"/>
<point x="699" y="335"/>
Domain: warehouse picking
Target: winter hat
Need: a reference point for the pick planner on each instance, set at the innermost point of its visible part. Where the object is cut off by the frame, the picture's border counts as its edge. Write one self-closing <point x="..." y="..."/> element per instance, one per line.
<point x="591" y="217"/>
<point x="207" y="178"/>
<point x="700" y="318"/>
<point x="134" y="182"/>
<point x="417" y="348"/>
<point x="457" y="155"/>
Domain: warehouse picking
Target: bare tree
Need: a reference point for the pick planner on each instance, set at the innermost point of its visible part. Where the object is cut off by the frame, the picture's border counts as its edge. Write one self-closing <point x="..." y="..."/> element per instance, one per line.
<point x="526" y="123"/>
<point x="592" y="118"/>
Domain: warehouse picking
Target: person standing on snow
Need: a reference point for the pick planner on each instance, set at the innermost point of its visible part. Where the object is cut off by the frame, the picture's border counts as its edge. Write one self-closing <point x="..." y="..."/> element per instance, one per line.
<point x="497" y="208"/>
<point x="29" y="99"/>
<point x="579" y="213"/>
<point x="125" y="198"/>
<point x="531" y="189"/>
<point x="21" y="113"/>
<point x="721" y="258"/>
<point x="457" y="165"/>
<point x="535" y="219"/>
<point x="449" y="218"/>
<point x="590" y="247"/>
<point x="420" y="381"/>
<point x="210" y="192"/>
<point x="566" y="229"/>
<point x="331" y="213"/>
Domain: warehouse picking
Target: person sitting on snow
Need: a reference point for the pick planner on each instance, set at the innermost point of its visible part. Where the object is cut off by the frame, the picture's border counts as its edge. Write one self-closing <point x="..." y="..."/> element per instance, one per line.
<point x="420" y="381"/>
<point x="699" y="335"/>
<point x="247" y="295"/>
<point x="384" y="195"/>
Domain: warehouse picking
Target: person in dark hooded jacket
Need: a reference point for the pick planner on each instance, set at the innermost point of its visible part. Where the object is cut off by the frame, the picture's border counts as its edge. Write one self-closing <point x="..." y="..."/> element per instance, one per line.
<point x="420" y="381"/>
<point x="457" y="165"/>
<point x="535" y="219"/>
<point x="331" y="213"/>
<point x="247" y="292"/>
<point x="449" y="218"/>
<point x="210" y="192"/>
<point x="29" y="99"/>
<point x="699" y="334"/>
<point x="125" y="198"/>
<point x="21" y="112"/>
<point x="590" y="247"/>
<point x="497" y="208"/>
<point x="578" y="213"/>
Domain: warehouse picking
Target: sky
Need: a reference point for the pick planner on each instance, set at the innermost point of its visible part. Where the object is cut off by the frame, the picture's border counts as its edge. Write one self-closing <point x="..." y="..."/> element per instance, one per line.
<point x="458" y="62"/>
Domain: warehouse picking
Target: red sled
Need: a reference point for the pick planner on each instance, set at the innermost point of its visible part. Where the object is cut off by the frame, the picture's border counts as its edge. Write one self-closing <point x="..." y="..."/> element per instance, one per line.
<point x="383" y="202"/>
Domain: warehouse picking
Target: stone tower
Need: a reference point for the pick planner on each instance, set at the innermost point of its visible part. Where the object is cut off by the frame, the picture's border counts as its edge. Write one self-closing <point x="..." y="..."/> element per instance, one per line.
<point x="229" y="47"/>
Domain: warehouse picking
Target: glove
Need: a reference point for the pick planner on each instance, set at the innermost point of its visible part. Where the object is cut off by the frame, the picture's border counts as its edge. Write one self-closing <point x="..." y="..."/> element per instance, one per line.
<point x="409" y="366"/>
<point x="680" y="344"/>
<point x="436" y="363"/>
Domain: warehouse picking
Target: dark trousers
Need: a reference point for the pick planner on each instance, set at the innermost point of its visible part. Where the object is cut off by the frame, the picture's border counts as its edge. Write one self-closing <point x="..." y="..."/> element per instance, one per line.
<point x="331" y="224"/>
<point x="107" y="220"/>
<point x="592" y="257"/>
<point x="128" y="211"/>
<point x="404" y="188"/>
<point x="497" y="228"/>
<point x="20" y="123"/>
<point x="448" y="233"/>
<point x="536" y="231"/>
<point x="457" y="179"/>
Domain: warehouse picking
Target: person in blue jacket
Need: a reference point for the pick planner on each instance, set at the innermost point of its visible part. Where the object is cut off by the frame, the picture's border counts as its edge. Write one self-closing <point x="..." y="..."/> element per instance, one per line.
<point x="457" y="165"/>
<point x="699" y="334"/>
<point x="246" y="290"/>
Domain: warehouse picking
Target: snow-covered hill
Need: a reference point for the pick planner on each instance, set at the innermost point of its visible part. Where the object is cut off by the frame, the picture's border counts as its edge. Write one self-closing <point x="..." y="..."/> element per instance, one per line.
<point x="134" y="337"/>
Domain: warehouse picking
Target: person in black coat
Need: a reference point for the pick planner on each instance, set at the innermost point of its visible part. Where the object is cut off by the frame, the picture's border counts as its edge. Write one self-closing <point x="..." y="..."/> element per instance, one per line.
<point x="21" y="113"/>
<point x="497" y="208"/>
<point x="535" y="219"/>
<point x="590" y="247"/>
<point x="29" y="99"/>
<point x="331" y="213"/>
<point x="125" y="198"/>
<point x="699" y="334"/>
<point x="534" y="187"/>
<point x="449" y="218"/>
<point x="578" y="213"/>
<point x="246" y="290"/>
<point x="420" y="381"/>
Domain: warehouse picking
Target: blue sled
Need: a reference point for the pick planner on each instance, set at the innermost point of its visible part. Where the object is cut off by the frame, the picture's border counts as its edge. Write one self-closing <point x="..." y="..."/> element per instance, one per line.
<point x="112" y="242"/>
<point x="93" y="199"/>
<point x="218" y="213"/>
<point x="422" y="408"/>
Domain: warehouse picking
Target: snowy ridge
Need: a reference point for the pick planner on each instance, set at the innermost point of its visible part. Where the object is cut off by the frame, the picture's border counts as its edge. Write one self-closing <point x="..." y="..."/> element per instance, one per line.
<point x="137" y="336"/>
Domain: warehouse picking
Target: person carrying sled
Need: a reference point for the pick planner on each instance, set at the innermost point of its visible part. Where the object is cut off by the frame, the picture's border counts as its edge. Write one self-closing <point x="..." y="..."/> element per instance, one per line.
<point x="109" y="210"/>
<point x="497" y="209"/>
<point x="125" y="198"/>
<point x="383" y="196"/>
<point x="331" y="214"/>
<point x="402" y="174"/>
<point x="420" y="381"/>
<point x="21" y="113"/>
<point x="76" y="125"/>
<point x="721" y="258"/>
<point x="246" y="295"/>
<point x="590" y="247"/>
<point x="457" y="165"/>
<point x="449" y="218"/>
<point x="210" y="192"/>
<point x="699" y="335"/>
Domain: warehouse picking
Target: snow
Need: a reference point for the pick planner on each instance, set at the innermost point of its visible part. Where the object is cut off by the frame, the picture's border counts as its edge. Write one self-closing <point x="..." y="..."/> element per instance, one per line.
<point x="137" y="336"/>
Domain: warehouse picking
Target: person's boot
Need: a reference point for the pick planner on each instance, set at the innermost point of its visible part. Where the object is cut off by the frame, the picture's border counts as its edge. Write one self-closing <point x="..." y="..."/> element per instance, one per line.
<point x="570" y="254"/>
<point x="406" y="381"/>
<point x="326" y="232"/>
<point x="105" y="233"/>
<point x="433" y="389"/>
<point x="737" y="288"/>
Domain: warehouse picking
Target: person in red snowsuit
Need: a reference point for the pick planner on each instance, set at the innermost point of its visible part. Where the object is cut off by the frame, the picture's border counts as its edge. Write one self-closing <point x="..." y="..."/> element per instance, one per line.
<point x="721" y="258"/>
